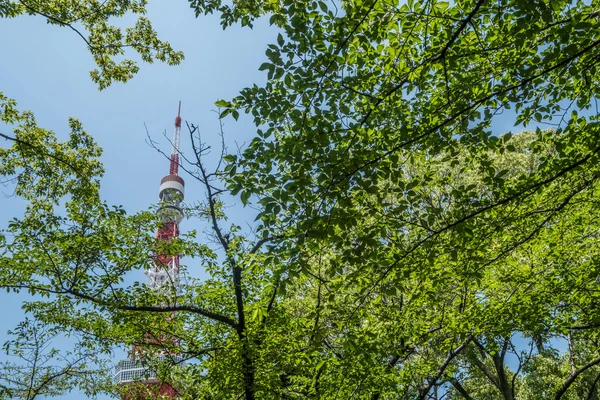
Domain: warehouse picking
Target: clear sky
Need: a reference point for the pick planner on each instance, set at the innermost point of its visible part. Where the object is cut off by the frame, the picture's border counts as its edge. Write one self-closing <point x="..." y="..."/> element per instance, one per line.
<point x="46" y="70"/>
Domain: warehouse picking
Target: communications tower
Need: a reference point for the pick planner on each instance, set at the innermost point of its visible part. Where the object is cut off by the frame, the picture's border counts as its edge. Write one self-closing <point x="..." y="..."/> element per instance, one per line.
<point x="139" y="382"/>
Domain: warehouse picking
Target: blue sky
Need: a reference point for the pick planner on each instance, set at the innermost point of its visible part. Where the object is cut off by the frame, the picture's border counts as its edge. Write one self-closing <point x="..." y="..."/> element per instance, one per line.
<point x="46" y="70"/>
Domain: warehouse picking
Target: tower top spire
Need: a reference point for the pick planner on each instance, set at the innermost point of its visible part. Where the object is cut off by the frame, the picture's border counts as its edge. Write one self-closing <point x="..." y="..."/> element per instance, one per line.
<point x="174" y="167"/>
<point x="178" y="119"/>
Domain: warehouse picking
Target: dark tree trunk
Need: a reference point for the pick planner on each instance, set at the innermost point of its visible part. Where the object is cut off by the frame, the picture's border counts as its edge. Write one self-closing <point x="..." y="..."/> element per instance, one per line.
<point x="504" y="384"/>
<point x="248" y="372"/>
<point x="247" y="363"/>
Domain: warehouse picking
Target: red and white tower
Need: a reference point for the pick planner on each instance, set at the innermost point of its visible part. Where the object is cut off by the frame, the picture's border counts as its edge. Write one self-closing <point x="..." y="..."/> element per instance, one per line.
<point x="163" y="277"/>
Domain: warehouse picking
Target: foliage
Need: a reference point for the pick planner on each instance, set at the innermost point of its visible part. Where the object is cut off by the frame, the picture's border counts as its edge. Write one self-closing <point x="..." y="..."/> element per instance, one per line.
<point x="243" y="11"/>
<point x="284" y="323"/>
<point x="375" y="142"/>
<point x="45" y="170"/>
<point x="403" y="250"/>
<point x="107" y="42"/>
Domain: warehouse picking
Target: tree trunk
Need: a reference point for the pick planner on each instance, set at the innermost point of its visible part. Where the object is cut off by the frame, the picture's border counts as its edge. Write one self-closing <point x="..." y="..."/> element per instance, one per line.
<point x="247" y="371"/>
<point x="247" y="364"/>
<point x="503" y="382"/>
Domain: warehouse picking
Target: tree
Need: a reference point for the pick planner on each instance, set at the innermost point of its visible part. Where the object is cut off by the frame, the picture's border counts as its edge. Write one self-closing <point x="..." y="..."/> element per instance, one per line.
<point x="106" y="41"/>
<point x="42" y="370"/>
<point x="305" y="336"/>
<point x="45" y="171"/>
<point x="402" y="247"/>
<point x="357" y="90"/>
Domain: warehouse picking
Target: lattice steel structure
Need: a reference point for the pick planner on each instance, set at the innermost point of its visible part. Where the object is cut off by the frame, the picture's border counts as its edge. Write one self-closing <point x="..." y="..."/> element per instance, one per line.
<point x="163" y="277"/>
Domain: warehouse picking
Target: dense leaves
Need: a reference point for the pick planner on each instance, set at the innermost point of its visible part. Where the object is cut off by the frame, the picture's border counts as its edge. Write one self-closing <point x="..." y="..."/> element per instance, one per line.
<point x="375" y="151"/>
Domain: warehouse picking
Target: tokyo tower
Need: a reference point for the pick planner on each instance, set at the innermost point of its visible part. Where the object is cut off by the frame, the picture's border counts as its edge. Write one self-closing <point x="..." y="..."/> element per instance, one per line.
<point x="139" y="382"/>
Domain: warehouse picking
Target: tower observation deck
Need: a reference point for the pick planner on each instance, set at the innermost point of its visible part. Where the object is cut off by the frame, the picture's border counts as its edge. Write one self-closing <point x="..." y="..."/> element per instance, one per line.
<point x="163" y="277"/>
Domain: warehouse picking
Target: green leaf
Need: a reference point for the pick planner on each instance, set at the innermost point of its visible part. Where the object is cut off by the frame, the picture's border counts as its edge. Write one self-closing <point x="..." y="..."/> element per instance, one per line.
<point x="245" y="195"/>
<point x="222" y="103"/>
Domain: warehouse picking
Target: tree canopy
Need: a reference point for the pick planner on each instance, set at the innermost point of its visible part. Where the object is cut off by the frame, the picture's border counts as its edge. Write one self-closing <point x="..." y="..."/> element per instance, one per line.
<point x="404" y="247"/>
<point x="107" y="41"/>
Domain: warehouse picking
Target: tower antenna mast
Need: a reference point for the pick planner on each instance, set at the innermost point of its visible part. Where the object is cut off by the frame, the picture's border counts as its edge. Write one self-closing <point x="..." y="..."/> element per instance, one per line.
<point x="174" y="168"/>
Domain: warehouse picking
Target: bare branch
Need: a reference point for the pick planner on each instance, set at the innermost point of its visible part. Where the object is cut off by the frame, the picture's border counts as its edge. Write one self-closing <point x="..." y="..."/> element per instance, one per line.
<point x="209" y="189"/>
